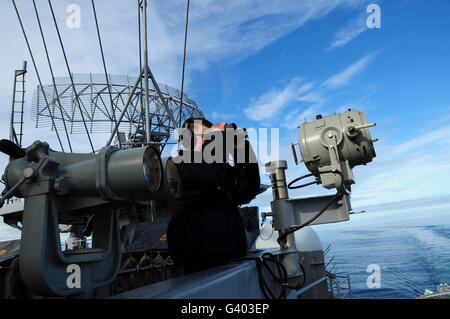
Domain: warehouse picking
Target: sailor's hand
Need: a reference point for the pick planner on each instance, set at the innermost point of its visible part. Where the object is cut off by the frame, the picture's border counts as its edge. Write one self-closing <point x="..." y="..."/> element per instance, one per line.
<point x="241" y="135"/>
<point x="217" y="127"/>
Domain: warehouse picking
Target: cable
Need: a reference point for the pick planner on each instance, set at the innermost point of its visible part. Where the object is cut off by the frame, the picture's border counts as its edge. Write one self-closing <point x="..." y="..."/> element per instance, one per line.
<point x="184" y="59"/>
<point x="334" y="171"/>
<point x="38" y="75"/>
<point x="303" y="282"/>
<point x="53" y="76"/>
<point x="282" y="278"/>
<point x="303" y="185"/>
<point x="262" y="262"/>
<point x="294" y="229"/>
<point x="281" y="270"/>
<point x="113" y="109"/>
<point x="70" y="76"/>
<point x="340" y="191"/>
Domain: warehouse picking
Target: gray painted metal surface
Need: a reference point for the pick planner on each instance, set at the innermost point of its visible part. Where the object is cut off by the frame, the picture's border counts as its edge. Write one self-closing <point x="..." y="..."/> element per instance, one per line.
<point x="238" y="281"/>
<point x="296" y="211"/>
<point x="340" y="141"/>
<point x="50" y="182"/>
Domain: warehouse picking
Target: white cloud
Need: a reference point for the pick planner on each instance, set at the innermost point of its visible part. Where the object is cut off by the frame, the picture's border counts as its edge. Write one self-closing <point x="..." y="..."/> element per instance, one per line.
<point x="344" y="77"/>
<point x="237" y="28"/>
<point x="271" y="103"/>
<point x="296" y="117"/>
<point x="313" y="96"/>
<point x="352" y="29"/>
<point x="230" y="30"/>
<point x="362" y="103"/>
<point x="438" y="139"/>
<point x="416" y="168"/>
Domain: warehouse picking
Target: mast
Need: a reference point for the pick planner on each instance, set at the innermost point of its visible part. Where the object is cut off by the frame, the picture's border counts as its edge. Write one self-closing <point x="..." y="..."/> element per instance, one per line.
<point x="143" y="6"/>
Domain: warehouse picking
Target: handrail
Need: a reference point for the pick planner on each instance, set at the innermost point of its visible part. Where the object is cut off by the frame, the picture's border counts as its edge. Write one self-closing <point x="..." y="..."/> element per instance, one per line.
<point x="307" y="287"/>
<point x="338" y="287"/>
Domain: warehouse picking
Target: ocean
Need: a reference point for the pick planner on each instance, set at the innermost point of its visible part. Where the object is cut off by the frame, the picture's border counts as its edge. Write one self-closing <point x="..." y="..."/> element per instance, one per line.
<point x="410" y="249"/>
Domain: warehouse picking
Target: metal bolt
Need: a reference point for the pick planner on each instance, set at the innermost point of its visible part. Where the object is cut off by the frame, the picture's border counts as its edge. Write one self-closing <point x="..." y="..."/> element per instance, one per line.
<point x="30" y="173"/>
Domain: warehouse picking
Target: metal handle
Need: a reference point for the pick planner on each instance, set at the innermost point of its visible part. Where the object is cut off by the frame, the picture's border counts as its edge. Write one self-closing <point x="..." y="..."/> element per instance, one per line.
<point x="359" y="127"/>
<point x="11" y="191"/>
<point x="294" y="153"/>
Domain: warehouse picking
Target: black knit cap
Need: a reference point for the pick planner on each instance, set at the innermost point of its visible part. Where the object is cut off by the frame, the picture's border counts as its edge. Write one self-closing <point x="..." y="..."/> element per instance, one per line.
<point x="191" y="120"/>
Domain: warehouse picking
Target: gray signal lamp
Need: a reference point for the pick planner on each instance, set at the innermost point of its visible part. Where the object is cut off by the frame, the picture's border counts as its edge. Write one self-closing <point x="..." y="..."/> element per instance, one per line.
<point x="337" y="142"/>
<point x="330" y="148"/>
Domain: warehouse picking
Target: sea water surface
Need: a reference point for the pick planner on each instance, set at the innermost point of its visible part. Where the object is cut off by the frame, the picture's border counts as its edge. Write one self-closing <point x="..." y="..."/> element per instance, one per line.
<point x="410" y="246"/>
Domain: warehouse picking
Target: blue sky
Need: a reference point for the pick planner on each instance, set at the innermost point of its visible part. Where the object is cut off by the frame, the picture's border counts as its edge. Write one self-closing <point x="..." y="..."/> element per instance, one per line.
<point x="273" y="64"/>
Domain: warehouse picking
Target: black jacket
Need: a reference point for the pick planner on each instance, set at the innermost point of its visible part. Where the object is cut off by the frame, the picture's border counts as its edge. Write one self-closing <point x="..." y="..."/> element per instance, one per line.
<point x="206" y="228"/>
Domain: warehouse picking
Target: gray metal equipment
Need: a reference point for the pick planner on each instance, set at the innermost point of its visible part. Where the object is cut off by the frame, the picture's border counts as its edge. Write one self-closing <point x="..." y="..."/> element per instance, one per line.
<point x="330" y="148"/>
<point x="340" y="141"/>
<point x="65" y="188"/>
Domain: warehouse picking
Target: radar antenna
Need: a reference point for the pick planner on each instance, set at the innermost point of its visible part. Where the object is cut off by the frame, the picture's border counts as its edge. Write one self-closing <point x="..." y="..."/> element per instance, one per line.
<point x="133" y="111"/>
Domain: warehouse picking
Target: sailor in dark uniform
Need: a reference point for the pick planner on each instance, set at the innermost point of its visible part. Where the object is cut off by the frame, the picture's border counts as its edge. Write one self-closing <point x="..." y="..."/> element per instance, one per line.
<point x="206" y="228"/>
